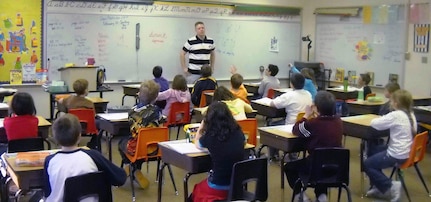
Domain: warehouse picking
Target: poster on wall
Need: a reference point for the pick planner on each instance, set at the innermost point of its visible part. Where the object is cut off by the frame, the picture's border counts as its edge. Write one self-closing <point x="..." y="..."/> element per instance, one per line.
<point x="421" y="38"/>
<point x="20" y="36"/>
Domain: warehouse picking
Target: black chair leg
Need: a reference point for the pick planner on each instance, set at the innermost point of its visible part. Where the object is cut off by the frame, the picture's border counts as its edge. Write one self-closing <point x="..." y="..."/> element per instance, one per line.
<point x="131" y="169"/>
<point x="393" y="171"/>
<point x="349" y="196"/>
<point x="421" y="177"/>
<point x="178" y="131"/>
<point x="339" y="194"/>
<point x="172" y="178"/>
<point x="400" y="176"/>
<point x="157" y="172"/>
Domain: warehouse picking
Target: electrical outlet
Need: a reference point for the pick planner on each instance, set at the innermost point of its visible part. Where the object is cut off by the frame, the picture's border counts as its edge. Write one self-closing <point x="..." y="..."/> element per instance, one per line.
<point x="424" y="59"/>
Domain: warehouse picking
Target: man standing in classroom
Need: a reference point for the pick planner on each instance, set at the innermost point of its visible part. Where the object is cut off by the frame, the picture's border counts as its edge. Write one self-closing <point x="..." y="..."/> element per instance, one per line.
<point x="200" y="49"/>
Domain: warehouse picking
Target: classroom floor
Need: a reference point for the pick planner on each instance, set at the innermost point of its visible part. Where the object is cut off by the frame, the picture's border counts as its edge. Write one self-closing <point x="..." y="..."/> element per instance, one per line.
<point x="276" y="194"/>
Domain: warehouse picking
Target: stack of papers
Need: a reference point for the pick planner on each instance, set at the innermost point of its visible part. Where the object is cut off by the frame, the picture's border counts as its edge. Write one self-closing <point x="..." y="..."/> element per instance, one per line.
<point x="185" y="148"/>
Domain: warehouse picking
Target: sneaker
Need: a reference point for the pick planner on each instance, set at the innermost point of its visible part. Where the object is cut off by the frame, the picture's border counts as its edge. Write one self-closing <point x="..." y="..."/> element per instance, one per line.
<point x="322" y="198"/>
<point x="305" y="198"/>
<point x="395" y="191"/>
<point x="141" y="179"/>
<point x="374" y="193"/>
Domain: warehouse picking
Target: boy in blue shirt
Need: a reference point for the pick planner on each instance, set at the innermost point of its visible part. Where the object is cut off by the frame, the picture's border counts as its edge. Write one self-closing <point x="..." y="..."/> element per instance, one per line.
<point x="159" y="79"/>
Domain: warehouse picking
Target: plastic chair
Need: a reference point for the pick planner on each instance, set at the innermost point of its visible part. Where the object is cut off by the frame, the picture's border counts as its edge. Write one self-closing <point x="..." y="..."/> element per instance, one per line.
<point x="370" y="95"/>
<point x="26" y="144"/>
<point x="271" y="93"/>
<point x="88" y="116"/>
<point x="327" y="171"/>
<point x="417" y="154"/>
<point x="179" y="115"/>
<point x="203" y="102"/>
<point x="249" y="127"/>
<point x="90" y="184"/>
<point x="148" y="137"/>
<point x="247" y="171"/>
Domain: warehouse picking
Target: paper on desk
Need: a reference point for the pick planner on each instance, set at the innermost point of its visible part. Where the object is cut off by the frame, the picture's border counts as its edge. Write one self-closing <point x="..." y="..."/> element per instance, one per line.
<point x="349" y="88"/>
<point x="264" y="101"/>
<point x="1" y="123"/>
<point x="114" y="116"/>
<point x="285" y="128"/>
<point x="186" y="148"/>
<point x="4" y="106"/>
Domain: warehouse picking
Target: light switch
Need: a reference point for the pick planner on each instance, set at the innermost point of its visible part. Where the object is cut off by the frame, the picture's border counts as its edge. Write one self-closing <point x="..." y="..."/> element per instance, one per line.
<point x="424" y="59"/>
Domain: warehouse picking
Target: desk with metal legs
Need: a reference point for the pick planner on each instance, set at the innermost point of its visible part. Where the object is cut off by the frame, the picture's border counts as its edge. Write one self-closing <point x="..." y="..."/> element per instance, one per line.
<point x="111" y="124"/>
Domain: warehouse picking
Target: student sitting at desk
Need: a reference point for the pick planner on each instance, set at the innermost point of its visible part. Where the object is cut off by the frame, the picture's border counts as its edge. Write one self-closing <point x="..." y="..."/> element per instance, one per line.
<point x="144" y="115"/>
<point x="390" y="88"/>
<point x="270" y="81"/>
<point x="221" y="134"/>
<point x="72" y="161"/>
<point x="402" y="126"/>
<point x="159" y="79"/>
<point x="80" y="87"/>
<point x="320" y="136"/>
<point x="23" y="122"/>
<point x="237" y="107"/>
<point x="206" y="82"/>
<point x="363" y="81"/>
<point x="310" y="80"/>
<point x="178" y="93"/>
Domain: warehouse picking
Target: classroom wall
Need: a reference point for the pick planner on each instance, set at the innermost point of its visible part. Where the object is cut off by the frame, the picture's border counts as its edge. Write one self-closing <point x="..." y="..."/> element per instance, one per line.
<point x="416" y="74"/>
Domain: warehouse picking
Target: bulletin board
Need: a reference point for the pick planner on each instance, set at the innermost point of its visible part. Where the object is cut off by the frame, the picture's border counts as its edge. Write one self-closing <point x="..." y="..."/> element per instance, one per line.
<point x="20" y="41"/>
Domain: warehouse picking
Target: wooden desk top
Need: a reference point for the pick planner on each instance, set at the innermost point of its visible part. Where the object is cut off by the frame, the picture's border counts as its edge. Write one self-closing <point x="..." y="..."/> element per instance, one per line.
<point x="341" y="90"/>
<point x="256" y="84"/>
<point x="114" y="117"/>
<point x="96" y="100"/>
<point x="364" y="120"/>
<point x="132" y="86"/>
<point x="278" y="130"/>
<point x="421" y="97"/>
<point x="212" y="94"/>
<point x="42" y="122"/>
<point x="366" y="103"/>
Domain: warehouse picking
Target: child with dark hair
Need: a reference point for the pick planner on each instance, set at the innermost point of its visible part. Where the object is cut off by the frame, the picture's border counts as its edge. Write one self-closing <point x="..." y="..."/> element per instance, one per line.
<point x="206" y="82"/>
<point x="23" y="122"/>
<point x="363" y="81"/>
<point x="402" y="127"/>
<point x="80" y="86"/>
<point x="178" y="93"/>
<point x="270" y="81"/>
<point x="319" y="134"/>
<point x="72" y="161"/>
<point x="223" y="137"/>
<point x="310" y="81"/>
<point x="159" y="79"/>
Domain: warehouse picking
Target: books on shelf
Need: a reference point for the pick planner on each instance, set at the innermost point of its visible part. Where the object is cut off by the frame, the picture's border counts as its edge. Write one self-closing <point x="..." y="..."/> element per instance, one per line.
<point x="339" y="74"/>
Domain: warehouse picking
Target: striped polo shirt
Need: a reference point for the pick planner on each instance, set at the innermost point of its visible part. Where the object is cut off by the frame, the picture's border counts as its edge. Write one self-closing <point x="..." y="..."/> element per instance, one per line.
<point x="199" y="52"/>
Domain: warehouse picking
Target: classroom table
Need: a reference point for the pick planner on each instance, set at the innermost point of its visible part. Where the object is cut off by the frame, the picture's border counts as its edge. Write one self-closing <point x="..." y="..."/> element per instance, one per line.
<point x="265" y="110"/>
<point x="4" y="110"/>
<point x="357" y="107"/>
<point x="130" y="90"/>
<point x="360" y="127"/>
<point x="111" y="124"/>
<point x="252" y="87"/>
<point x="52" y="100"/>
<point x="100" y="105"/>
<point x="421" y="100"/>
<point x="280" y="91"/>
<point x="43" y="128"/>
<point x="339" y="93"/>
<point x="198" y="114"/>
<point x="281" y="138"/>
<point x="423" y="114"/>
<point x="210" y="95"/>
<point x="192" y="163"/>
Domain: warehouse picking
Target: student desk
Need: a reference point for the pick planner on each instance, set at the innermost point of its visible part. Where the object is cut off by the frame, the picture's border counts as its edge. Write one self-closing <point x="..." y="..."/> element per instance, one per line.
<point x="280" y="91"/>
<point x="252" y="87"/>
<point x="43" y="129"/>
<point x="421" y="100"/>
<point x="130" y="90"/>
<point x="100" y="105"/>
<point x="340" y="94"/>
<point x="53" y="94"/>
<point x="192" y="163"/>
<point x="423" y="114"/>
<point x="360" y="127"/>
<point x="281" y="138"/>
<point x="4" y="110"/>
<point x="364" y="107"/>
<point x="266" y="110"/>
<point x="112" y="123"/>
<point x="6" y="92"/>
<point x="210" y="95"/>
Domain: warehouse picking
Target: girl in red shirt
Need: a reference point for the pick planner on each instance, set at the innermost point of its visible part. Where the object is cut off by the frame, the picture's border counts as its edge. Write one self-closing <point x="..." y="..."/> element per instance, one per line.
<point x="23" y="122"/>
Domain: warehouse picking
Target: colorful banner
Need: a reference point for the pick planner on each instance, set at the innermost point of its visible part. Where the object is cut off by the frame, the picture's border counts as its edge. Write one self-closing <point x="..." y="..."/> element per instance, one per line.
<point x="421" y="38"/>
<point x="20" y="37"/>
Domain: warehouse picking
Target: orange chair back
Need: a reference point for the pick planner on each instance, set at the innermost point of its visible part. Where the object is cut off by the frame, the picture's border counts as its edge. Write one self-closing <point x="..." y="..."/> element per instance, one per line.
<point x="417" y="151"/>
<point x="271" y="93"/>
<point x="147" y="138"/>
<point x="370" y="95"/>
<point x="179" y="114"/>
<point x="249" y="127"/>
<point x="87" y="116"/>
<point x="203" y="102"/>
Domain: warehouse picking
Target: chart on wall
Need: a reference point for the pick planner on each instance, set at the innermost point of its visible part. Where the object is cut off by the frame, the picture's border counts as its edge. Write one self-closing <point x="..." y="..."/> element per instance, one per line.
<point x="354" y="46"/>
<point x="111" y="37"/>
<point x="20" y="38"/>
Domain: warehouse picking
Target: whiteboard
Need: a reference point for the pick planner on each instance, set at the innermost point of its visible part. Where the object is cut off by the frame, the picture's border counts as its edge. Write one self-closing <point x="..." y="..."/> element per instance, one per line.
<point x="336" y="47"/>
<point x="109" y="37"/>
